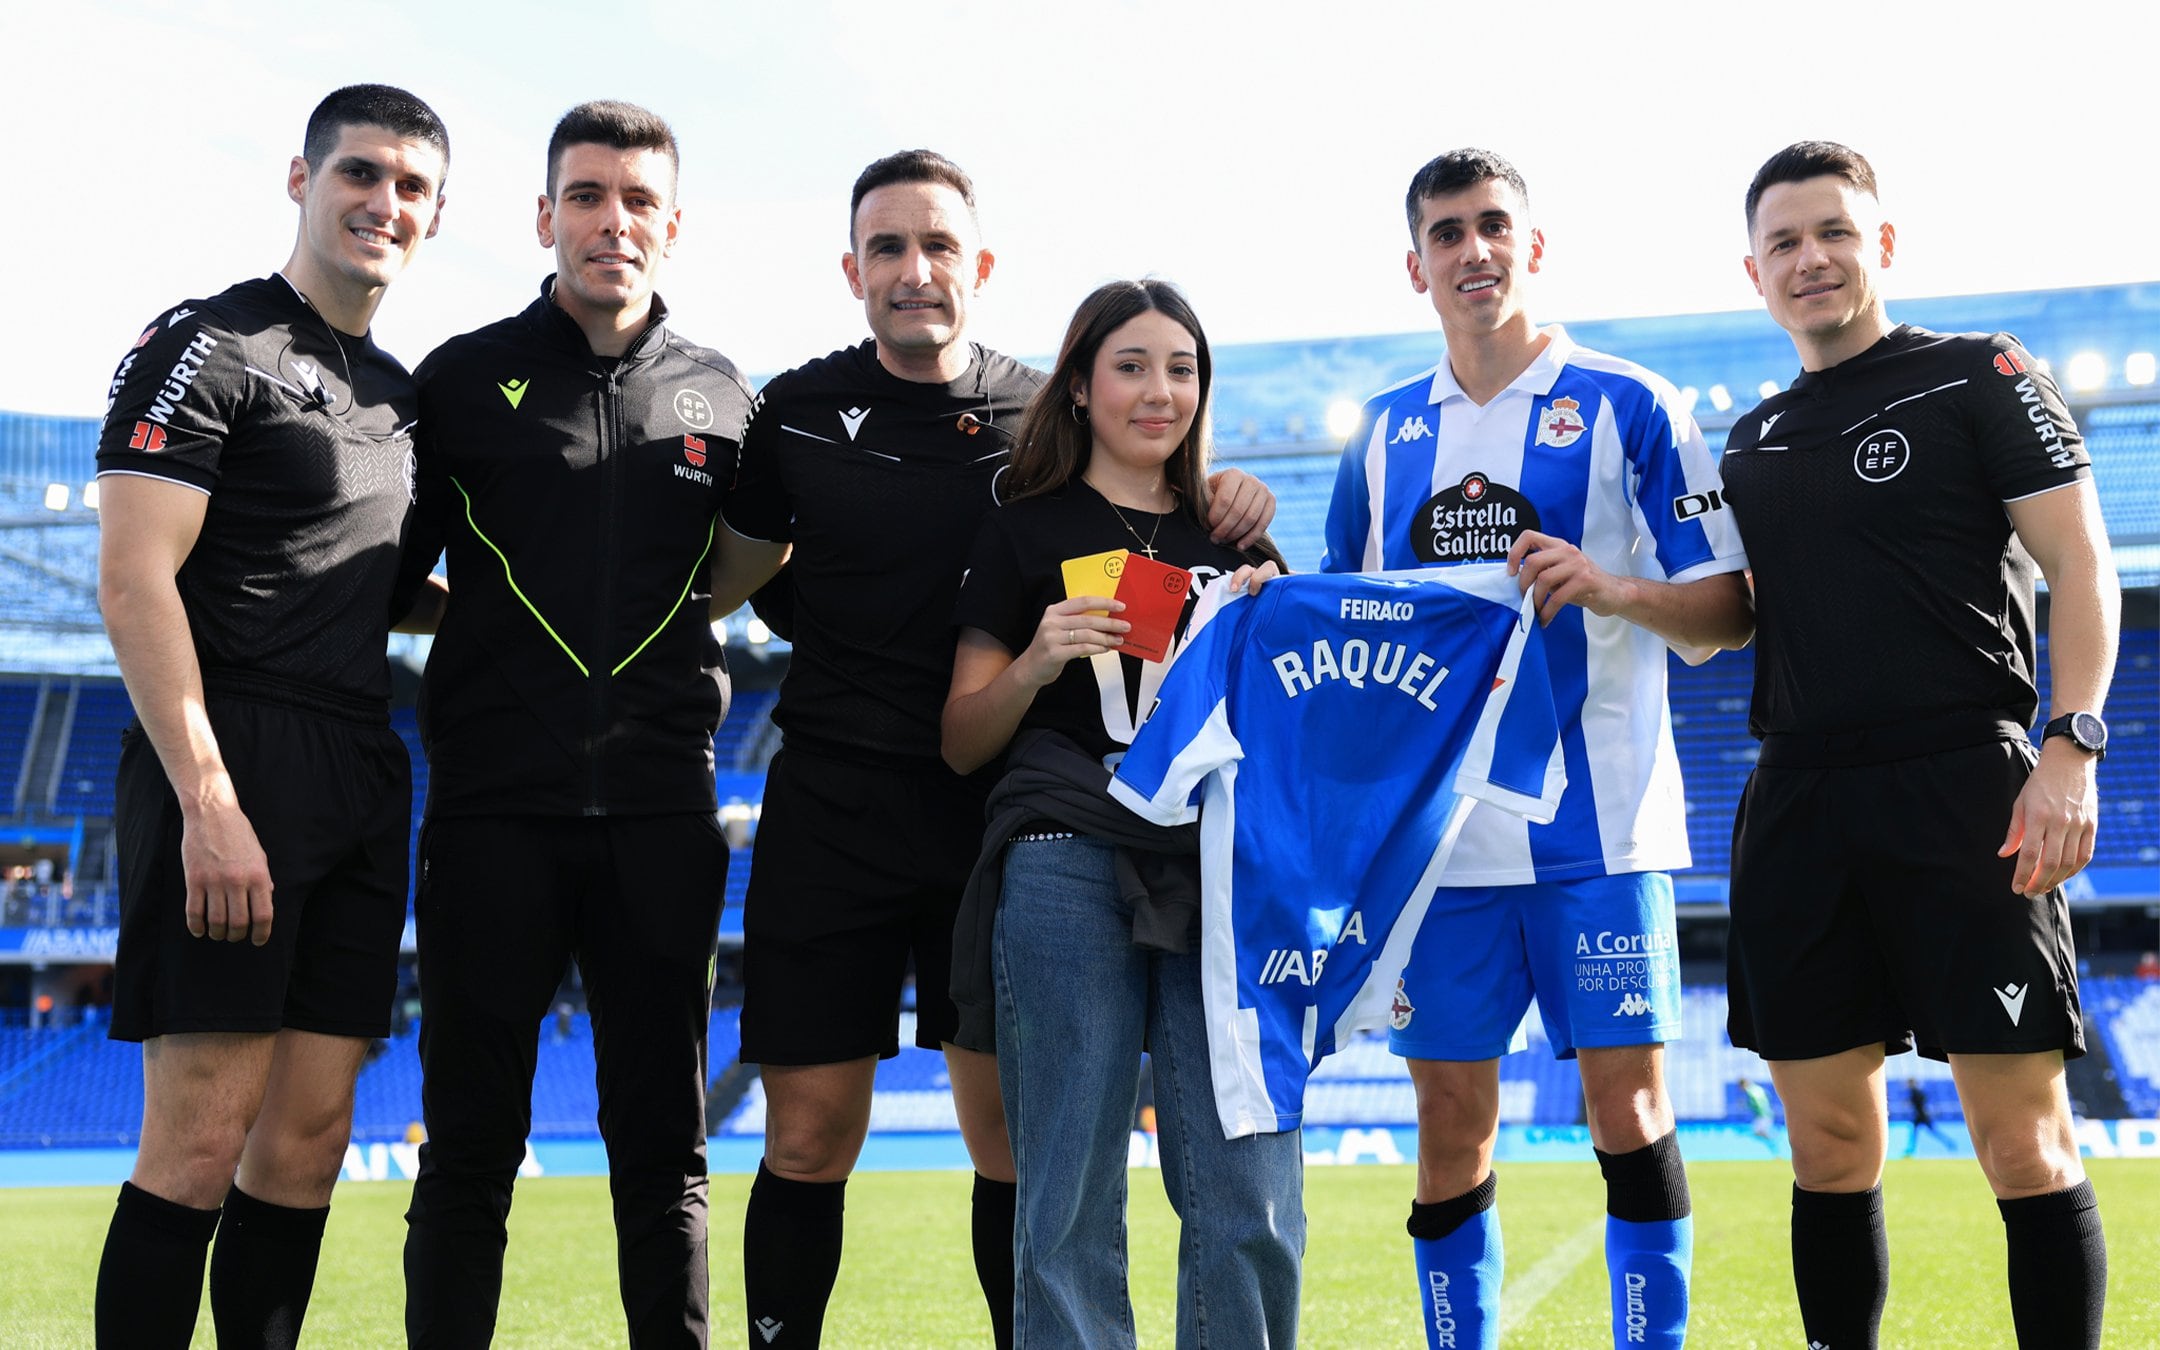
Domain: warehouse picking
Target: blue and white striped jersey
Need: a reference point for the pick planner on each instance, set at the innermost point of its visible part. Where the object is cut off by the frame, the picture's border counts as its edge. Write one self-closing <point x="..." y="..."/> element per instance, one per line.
<point x="1330" y="723"/>
<point x="1596" y="451"/>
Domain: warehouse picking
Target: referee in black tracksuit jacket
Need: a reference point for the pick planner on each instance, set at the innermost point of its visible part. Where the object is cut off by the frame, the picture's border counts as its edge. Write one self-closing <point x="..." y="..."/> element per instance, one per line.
<point x="572" y="462"/>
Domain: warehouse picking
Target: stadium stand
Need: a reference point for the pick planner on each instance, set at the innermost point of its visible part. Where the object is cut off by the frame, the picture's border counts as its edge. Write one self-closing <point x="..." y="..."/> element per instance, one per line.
<point x="19" y="704"/>
<point x="1280" y="414"/>
<point x="2127" y="1012"/>
<point x="69" y="1087"/>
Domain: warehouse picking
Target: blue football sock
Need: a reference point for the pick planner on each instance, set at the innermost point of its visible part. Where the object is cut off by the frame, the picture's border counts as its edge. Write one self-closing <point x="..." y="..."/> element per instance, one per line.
<point x="1649" y="1243"/>
<point x="1649" y="1264"/>
<point x="1460" y="1264"/>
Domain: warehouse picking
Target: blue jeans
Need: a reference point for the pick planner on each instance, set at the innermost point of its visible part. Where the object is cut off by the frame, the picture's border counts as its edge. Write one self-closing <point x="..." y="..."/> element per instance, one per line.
<point x="1076" y="1004"/>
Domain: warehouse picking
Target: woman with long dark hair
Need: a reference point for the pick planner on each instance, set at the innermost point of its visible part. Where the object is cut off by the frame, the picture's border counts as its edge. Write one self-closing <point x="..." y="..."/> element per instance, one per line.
<point x="1092" y="957"/>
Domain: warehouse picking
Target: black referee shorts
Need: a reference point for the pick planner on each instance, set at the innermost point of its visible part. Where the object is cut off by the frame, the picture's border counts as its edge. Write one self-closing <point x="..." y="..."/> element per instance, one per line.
<point x="329" y="793"/>
<point x="857" y="872"/>
<point x="1868" y="907"/>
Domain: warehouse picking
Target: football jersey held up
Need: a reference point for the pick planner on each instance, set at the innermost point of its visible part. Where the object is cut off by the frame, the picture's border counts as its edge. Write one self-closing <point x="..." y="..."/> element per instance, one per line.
<point x="1336" y="728"/>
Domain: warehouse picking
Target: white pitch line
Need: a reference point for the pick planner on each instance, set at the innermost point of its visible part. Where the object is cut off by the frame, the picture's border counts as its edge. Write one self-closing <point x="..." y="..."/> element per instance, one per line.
<point x="1521" y="1296"/>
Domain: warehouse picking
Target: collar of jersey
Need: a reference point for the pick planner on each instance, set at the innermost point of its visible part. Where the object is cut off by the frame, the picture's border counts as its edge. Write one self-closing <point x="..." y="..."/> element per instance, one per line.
<point x="557" y="321"/>
<point x="1536" y="380"/>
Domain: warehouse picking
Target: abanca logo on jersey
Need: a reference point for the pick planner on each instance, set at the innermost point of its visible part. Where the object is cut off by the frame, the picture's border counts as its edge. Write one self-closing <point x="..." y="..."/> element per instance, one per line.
<point x="1477" y="520"/>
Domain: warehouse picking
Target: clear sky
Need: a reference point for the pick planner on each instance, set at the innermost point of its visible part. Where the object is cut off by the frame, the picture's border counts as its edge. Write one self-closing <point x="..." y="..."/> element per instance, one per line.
<point x="1256" y="153"/>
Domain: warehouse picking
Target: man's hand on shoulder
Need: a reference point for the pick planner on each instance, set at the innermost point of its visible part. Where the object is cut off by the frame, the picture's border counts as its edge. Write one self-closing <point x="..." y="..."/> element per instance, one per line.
<point x="2055" y="820"/>
<point x="1240" y="508"/>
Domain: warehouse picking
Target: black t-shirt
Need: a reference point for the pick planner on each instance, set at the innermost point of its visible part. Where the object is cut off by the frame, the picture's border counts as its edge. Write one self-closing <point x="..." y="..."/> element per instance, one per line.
<point x="302" y="439"/>
<point x="1015" y="572"/>
<point x="1889" y="584"/>
<point x="880" y="483"/>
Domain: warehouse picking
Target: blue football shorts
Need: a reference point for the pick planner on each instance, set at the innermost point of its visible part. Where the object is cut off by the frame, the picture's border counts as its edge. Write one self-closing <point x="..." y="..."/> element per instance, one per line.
<point x="1598" y="953"/>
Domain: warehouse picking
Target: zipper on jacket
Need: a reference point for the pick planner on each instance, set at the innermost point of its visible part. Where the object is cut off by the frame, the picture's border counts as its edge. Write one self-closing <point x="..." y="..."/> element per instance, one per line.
<point x="611" y="437"/>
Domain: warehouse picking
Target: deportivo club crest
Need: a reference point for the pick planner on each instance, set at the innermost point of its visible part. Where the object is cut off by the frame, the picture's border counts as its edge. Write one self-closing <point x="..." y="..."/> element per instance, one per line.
<point x="1400" y="1011"/>
<point x="1561" y="423"/>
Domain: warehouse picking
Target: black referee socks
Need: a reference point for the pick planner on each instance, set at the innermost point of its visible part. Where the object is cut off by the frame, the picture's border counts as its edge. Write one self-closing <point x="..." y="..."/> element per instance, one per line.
<point x="2058" y="1267"/>
<point x="263" y="1270"/>
<point x="993" y="1232"/>
<point x="791" y="1256"/>
<point x="1841" y="1265"/>
<point x="149" y="1282"/>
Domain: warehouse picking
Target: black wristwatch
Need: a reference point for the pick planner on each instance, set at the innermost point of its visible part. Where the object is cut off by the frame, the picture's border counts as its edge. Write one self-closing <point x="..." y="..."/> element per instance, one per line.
<point x="2085" y="730"/>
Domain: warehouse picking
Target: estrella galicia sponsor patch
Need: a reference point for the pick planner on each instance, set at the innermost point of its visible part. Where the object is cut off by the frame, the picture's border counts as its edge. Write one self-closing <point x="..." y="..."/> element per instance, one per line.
<point x="1477" y="520"/>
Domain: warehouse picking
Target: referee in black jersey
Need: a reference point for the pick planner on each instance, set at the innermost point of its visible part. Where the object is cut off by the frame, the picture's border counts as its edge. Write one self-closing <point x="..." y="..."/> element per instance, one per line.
<point x="875" y="464"/>
<point x="252" y="482"/>
<point x="1900" y="847"/>
<point x="572" y="458"/>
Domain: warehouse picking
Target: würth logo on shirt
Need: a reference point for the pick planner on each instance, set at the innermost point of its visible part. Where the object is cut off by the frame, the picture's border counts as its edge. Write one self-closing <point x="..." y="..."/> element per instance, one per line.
<point x="693" y="450"/>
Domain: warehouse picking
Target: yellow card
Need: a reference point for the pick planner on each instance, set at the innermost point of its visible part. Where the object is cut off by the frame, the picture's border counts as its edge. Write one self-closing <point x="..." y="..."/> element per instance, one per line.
<point x="1095" y="575"/>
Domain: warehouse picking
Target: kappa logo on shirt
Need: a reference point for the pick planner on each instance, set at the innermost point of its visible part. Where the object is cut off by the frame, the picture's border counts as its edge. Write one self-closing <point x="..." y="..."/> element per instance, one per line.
<point x="1633" y="1005"/>
<point x="1412" y="429"/>
<point x="852" y="419"/>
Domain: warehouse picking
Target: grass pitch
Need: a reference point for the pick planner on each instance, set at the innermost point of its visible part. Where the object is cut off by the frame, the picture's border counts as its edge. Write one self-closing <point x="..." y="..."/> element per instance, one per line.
<point x="908" y="1279"/>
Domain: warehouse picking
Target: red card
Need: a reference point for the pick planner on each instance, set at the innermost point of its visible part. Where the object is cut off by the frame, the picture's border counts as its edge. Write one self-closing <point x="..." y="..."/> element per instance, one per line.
<point x="1153" y="594"/>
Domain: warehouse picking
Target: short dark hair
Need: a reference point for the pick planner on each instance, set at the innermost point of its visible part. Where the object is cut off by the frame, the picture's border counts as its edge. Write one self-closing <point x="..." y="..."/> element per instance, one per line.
<point x="1803" y="160"/>
<point x="1054" y="443"/>
<point x="1454" y="171"/>
<point x="372" y="105"/>
<point x="910" y="166"/>
<point x="613" y="123"/>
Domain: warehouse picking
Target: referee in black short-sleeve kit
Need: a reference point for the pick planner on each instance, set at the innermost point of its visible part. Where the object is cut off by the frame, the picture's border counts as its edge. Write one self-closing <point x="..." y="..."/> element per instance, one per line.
<point x="572" y="458"/>
<point x="876" y="464"/>
<point x="1901" y="844"/>
<point x="252" y="473"/>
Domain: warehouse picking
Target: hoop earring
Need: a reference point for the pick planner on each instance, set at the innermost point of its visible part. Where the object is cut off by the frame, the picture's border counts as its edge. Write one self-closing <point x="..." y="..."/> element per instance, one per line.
<point x="1079" y="412"/>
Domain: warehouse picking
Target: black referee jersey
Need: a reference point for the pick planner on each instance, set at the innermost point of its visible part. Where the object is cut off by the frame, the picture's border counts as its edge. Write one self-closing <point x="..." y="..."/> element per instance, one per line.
<point x="1889" y="583"/>
<point x="880" y="483"/>
<point x="301" y="437"/>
